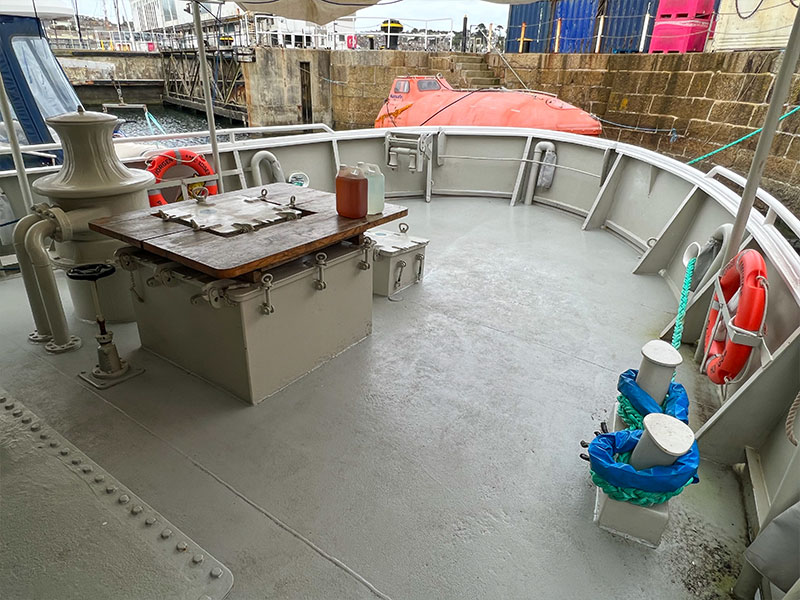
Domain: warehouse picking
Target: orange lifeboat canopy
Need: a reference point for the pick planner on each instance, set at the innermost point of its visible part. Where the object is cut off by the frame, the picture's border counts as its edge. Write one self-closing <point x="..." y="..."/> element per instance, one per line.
<point x="415" y="101"/>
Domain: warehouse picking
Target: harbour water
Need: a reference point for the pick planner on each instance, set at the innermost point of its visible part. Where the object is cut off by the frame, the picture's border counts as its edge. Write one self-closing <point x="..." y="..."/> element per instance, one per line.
<point x="173" y="120"/>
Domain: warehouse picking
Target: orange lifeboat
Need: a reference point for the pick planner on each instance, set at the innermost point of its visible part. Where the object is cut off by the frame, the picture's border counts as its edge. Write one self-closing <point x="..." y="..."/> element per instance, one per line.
<point x="416" y="101"/>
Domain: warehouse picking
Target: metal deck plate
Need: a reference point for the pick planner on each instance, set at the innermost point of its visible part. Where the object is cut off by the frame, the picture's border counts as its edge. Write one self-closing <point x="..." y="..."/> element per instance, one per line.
<point x="68" y="529"/>
<point x="234" y="217"/>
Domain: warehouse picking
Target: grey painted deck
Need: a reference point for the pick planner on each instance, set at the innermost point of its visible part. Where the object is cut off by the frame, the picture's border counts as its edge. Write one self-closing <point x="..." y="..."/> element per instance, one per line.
<point x="436" y="459"/>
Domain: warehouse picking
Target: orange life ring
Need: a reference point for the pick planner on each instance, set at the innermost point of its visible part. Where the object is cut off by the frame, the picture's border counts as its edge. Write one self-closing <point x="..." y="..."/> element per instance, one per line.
<point x="745" y="276"/>
<point x="168" y="159"/>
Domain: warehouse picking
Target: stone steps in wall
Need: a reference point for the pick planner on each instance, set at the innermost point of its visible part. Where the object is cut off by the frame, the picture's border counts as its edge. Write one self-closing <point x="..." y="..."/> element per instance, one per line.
<point x="469" y="58"/>
<point x="470" y="74"/>
<point x="483" y="82"/>
<point x="475" y="75"/>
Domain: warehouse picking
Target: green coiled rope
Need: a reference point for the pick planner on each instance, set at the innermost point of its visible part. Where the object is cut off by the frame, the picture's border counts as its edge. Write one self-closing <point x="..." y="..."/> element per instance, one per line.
<point x="629" y="415"/>
<point x="632" y="495"/>
<point x="677" y="332"/>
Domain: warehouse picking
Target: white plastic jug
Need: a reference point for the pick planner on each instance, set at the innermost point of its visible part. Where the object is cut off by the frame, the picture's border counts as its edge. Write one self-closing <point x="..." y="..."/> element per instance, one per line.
<point x="376" y="183"/>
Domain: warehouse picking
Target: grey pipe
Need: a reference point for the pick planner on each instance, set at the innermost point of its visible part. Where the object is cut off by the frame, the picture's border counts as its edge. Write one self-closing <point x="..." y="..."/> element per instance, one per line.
<point x="275" y="167"/>
<point x="42" y="331"/>
<point x="539" y="149"/>
<point x="723" y="235"/>
<point x="48" y="290"/>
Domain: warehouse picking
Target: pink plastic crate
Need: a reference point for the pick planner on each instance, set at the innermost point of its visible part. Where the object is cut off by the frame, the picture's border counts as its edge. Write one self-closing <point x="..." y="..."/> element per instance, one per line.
<point x="684" y="9"/>
<point x="679" y="35"/>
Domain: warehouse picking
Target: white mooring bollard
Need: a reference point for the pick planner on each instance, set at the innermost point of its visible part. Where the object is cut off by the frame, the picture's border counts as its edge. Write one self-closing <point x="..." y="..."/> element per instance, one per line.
<point x="659" y="360"/>
<point x="665" y="438"/>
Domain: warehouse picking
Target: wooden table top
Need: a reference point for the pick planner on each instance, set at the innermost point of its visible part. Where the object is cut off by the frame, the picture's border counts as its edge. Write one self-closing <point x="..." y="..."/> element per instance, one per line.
<point x="236" y="233"/>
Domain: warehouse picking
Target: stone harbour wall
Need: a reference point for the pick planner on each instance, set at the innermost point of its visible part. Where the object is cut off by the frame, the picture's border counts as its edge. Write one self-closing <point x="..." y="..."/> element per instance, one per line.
<point x="92" y="73"/>
<point x="360" y="81"/>
<point x="708" y="99"/>
<point x="273" y="86"/>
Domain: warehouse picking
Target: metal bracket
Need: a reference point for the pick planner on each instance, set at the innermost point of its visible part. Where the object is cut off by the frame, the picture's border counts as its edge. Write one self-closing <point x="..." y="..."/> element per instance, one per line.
<point x="126" y="259"/>
<point x="213" y="293"/>
<point x="421" y="259"/>
<point x="321" y="263"/>
<point x="417" y="147"/>
<point x="62" y="222"/>
<point x="197" y="227"/>
<point x="162" y="275"/>
<point x="99" y="383"/>
<point x="401" y="264"/>
<point x="40" y="208"/>
<point x="735" y="334"/>
<point x="364" y="264"/>
<point x="127" y="262"/>
<point x="243" y="227"/>
<point x="169" y="218"/>
<point x="266" y="284"/>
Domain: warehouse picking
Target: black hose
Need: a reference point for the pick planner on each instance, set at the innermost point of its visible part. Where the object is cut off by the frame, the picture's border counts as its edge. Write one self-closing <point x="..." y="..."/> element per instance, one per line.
<point x="755" y="10"/>
<point x="449" y="105"/>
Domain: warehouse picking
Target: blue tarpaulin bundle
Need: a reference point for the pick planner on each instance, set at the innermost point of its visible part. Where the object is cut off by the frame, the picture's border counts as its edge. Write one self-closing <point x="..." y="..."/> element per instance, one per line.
<point x="676" y="404"/>
<point x="603" y="451"/>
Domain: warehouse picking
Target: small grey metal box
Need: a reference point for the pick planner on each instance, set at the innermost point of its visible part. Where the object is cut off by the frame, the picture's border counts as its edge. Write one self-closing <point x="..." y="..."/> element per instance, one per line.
<point x="399" y="260"/>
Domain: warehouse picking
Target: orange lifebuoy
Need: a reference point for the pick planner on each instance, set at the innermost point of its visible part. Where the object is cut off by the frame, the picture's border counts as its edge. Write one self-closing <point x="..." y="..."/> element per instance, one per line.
<point x="745" y="276"/>
<point x="168" y="159"/>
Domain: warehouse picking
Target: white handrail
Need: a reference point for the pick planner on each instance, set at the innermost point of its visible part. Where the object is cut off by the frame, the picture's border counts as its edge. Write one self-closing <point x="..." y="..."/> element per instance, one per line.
<point x="774" y="206"/>
<point x="231" y="133"/>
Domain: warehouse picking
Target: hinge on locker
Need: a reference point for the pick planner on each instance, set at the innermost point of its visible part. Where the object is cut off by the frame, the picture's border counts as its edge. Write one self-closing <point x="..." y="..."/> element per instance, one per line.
<point x="364" y="264"/>
<point x="401" y="264"/>
<point x="421" y="260"/>
<point x="321" y="263"/>
<point x="162" y="275"/>
<point x="266" y="284"/>
<point x="127" y="261"/>
<point x="214" y="293"/>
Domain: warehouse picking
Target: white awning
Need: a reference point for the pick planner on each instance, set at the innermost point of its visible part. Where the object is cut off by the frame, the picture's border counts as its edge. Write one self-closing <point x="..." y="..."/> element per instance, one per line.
<point x="316" y="11"/>
<point x="44" y="9"/>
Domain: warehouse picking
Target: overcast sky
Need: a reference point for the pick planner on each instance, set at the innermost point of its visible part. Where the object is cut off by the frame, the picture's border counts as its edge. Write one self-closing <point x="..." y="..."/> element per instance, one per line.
<point x="476" y="10"/>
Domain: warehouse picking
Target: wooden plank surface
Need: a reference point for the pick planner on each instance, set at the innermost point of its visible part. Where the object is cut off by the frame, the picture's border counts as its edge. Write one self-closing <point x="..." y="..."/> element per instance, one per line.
<point x="136" y="226"/>
<point x="235" y="256"/>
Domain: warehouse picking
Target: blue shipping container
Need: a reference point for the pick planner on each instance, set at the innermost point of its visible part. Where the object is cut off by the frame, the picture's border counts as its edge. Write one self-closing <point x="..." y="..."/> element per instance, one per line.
<point x="577" y="18"/>
<point x="624" y="21"/>
<point x="538" y="27"/>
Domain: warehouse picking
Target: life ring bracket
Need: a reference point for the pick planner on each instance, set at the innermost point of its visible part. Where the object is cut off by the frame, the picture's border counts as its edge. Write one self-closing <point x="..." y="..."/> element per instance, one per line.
<point x="726" y="360"/>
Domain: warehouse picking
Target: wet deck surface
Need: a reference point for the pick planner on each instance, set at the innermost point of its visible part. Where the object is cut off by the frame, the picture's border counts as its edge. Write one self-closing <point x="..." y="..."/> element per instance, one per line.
<point x="436" y="459"/>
